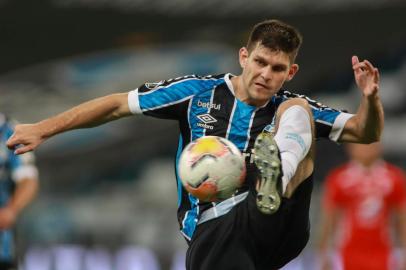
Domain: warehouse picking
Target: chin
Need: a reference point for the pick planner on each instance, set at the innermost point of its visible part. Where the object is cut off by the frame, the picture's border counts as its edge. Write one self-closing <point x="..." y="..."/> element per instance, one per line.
<point x="259" y="95"/>
<point x="260" y="100"/>
<point x="263" y="95"/>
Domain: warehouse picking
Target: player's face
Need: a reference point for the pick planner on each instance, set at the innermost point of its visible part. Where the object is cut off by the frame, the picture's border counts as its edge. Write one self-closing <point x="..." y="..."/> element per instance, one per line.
<point x="264" y="72"/>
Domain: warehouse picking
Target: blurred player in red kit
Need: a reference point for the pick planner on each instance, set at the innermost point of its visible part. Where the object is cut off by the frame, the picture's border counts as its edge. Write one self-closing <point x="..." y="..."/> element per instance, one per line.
<point x="359" y="199"/>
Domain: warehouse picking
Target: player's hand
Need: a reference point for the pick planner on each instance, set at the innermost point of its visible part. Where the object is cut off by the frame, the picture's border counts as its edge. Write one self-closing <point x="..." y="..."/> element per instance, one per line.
<point x="25" y="138"/>
<point x="324" y="263"/>
<point x="402" y="262"/>
<point x="7" y="218"/>
<point x="326" y="266"/>
<point x="366" y="77"/>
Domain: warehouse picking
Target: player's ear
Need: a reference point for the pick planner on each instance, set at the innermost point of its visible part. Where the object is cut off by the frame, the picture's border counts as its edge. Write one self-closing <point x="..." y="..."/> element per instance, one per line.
<point x="294" y="68"/>
<point x="243" y="56"/>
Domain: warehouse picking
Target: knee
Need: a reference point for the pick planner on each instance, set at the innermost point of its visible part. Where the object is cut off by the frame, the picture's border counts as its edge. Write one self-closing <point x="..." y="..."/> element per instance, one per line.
<point x="292" y="102"/>
<point x="295" y="102"/>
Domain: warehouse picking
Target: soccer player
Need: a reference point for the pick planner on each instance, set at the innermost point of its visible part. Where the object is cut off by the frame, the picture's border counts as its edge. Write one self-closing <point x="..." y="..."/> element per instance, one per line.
<point x="359" y="199"/>
<point x="18" y="186"/>
<point x="266" y="223"/>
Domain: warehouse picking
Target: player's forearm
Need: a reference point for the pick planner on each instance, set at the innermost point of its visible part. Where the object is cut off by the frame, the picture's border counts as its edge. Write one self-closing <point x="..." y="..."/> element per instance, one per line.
<point x="23" y="195"/>
<point x="401" y="228"/>
<point x="92" y="113"/>
<point x="370" y="118"/>
<point x="323" y="241"/>
<point x="88" y="114"/>
<point x="327" y="228"/>
<point x="367" y="125"/>
<point x="322" y="245"/>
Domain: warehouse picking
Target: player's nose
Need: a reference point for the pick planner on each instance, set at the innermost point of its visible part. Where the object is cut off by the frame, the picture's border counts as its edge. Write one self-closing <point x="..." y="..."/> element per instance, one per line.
<point x="266" y="73"/>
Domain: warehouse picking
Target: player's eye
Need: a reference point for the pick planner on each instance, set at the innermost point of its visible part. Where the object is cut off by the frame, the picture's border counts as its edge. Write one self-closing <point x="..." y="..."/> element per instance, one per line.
<point x="260" y="62"/>
<point x="279" y="68"/>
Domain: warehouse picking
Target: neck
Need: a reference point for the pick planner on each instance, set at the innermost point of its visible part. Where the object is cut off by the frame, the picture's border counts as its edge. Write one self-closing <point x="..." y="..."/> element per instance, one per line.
<point x="242" y="94"/>
<point x="367" y="163"/>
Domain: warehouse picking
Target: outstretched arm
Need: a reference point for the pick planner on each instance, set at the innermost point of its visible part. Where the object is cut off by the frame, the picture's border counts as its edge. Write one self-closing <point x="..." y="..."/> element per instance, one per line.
<point x="89" y="114"/>
<point x="367" y="124"/>
<point x="401" y="230"/>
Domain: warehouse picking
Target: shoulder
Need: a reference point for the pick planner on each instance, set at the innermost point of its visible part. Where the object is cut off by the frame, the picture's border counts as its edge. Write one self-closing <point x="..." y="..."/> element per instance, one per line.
<point x="205" y="80"/>
<point x="194" y="78"/>
<point x="192" y="82"/>
<point x="395" y="170"/>
<point x="285" y="94"/>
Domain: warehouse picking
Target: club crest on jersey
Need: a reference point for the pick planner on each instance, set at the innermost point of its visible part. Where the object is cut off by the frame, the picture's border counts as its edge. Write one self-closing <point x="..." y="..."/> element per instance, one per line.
<point x="154" y="85"/>
<point x="206" y="119"/>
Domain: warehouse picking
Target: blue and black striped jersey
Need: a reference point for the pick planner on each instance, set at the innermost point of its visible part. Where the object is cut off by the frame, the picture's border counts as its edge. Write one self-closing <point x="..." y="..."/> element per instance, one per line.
<point x="13" y="168"/>
<point x="207" y="106"/>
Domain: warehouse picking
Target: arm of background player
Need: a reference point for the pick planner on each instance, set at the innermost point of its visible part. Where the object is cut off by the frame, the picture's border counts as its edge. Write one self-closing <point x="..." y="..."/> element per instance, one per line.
<point x="25" y="192"/>
<point x="327" y="228"/>
<point x="89" y="114"/>
<point x="367" y="125"/>
<point x="400" y="217"/>
<point x="330" y="207"/>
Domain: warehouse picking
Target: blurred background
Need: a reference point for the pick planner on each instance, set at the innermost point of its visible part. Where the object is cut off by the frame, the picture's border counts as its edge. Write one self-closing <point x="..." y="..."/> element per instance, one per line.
<point x="109" y="192"/>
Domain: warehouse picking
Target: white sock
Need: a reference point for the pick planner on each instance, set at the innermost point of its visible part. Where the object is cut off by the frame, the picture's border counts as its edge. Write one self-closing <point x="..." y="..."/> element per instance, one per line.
<point x="294" y="138"/>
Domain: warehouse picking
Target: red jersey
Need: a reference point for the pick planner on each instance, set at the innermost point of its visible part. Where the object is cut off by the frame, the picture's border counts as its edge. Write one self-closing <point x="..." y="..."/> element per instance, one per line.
<point x="366" y="197"/>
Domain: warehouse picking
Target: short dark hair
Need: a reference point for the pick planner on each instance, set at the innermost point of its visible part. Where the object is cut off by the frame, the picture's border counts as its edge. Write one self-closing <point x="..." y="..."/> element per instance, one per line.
<point x="276" y="35"/>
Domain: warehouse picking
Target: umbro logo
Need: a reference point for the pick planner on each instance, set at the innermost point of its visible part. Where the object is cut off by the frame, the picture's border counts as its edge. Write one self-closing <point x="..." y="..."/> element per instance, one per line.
<point x="206" y="118"/>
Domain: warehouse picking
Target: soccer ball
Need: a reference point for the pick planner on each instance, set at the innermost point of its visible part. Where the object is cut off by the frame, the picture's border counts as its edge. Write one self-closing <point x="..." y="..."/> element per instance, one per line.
<point x="211" y="168"/>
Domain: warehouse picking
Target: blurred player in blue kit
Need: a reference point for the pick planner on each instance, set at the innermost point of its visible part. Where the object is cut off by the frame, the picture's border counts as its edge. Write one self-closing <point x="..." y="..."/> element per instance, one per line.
<point x="18" y="186"/>
<point x="266" y="223"/>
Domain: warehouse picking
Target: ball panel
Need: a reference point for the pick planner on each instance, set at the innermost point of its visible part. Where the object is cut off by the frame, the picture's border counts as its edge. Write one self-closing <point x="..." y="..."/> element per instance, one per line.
<point x="211" y="168"/>
<point x="206" y="192"/>
<point x="207" y="144"/>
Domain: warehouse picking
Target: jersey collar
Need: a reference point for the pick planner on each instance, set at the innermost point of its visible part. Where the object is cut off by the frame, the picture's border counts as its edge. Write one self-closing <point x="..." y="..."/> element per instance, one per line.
<point x="227" y="79"/>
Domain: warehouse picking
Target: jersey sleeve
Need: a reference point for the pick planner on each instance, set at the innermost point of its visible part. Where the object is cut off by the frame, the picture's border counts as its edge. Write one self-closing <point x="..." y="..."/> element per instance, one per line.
<point x="21" y="166"/>
<point x="329" y="122"/>
<point x="167" y="99"/>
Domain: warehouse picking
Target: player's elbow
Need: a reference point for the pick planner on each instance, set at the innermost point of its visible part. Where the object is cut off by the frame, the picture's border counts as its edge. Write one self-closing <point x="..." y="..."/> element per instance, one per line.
<point x="121" y="108"/>
<point x="369" y="140"/>
<point x="370" y="136"/>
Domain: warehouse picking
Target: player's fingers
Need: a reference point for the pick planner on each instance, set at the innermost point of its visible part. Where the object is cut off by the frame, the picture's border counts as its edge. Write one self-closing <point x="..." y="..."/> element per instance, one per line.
<point x="23" y="149"/>
<point x="369" y="66"/>
<point x="359" y="67"/>
<point x="376" y="76"/>
<point x="12" y="142"/>
<point x="354" y="60"/>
